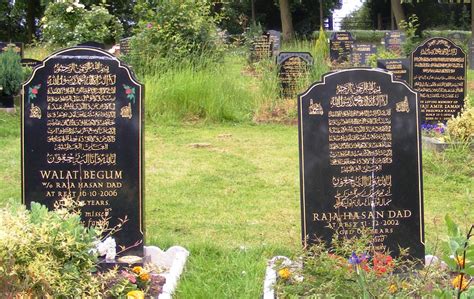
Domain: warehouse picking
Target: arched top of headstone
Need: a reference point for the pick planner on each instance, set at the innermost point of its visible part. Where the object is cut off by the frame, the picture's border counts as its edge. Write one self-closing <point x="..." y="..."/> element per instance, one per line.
<point x="342" y="35"/>
<point x="83" y="53"/>
<point x="333" y="75"/>
<point x="440" y="45"/>
<point x="306" y="56"/>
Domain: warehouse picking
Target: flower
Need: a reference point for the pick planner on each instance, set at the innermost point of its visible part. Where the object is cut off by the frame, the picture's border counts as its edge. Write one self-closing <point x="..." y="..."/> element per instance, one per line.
<point x="284" y="273"/>
<point x="144" y="276"/>
<point x="382" y="263"/>
<point x="356" y="260"/>
<point x="137" y="269"/>
<point x="105" y="246"/>
<point x="458" y="282"/>
<point x="34" y="91"/>
<point x="392" y="288"/>
<point x="128" y="91"/>
<point x="135" y="295"/>
<point x="149" y="25"/>
<point x="129" y="276"/>
<point x="461" y="261"/>
<point x="69" y="9"/>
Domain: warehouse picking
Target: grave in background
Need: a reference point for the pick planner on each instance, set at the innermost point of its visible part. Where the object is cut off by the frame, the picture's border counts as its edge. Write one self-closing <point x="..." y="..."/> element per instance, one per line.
<point x="29" y="62"/>
<point x="340" y="46"/>
<point x="17" y="47"/>
<point x="125" y="46"/>
<point x="360" y="160"/>
<point x="262" y="48"/>
<point x="399" y="67"/>
<point x="439" y="75"/>
<point x="82" y="139"/>
<point x="393" y="41"/>
<point x="360" y="53"/>
<point x="292" y="68"/>
<point x="275" y="38"/>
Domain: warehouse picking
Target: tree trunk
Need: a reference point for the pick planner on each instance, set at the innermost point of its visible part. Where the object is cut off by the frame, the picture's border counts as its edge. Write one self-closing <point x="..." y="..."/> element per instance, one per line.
<point x="397" y="11"/>
<point x="286" y="20"/>
<point x="30" y="19"/>
<point x="252" y="3"/>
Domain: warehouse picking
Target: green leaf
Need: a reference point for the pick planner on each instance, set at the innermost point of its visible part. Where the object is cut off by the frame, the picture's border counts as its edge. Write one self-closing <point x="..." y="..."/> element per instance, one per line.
<point x="454" y="246"/>
<point x="453" y="228"/>
<point x="469" y="271"/>
<point x="450" y="262"/>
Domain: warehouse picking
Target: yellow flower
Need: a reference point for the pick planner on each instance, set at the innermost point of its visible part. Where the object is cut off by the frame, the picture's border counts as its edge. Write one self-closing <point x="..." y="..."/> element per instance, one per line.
<point x="392" y="288"/>
<point x="284" y="273"/>
<point x="137" y="269"/>
<point x="135" y="295"/>
<point x="144" y="276"/>
<point x="460" y="261"/>
<point x="457" y="281"/>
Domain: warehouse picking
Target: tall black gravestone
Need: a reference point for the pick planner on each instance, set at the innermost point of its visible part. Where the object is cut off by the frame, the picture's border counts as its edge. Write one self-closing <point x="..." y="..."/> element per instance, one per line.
<point x="125" y="46"/>
<point x="360" y="160"/>
<point x="400" y="68"/>
<point x="340" y="46"/>
<point x="292" y="68"/>
<point x="17" y="47"/>
<point x="439" y="75"/>
<point x="82" y="137"/>
<point x="393" y="41"/>
<point x="360" y="53"/>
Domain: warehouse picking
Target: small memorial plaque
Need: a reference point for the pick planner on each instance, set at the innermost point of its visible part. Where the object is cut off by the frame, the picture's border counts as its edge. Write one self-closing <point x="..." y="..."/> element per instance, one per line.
<point x="394" y="40"/>
<point x="360" y="160"/>
<point x="125" y="46"/>
<point x="340" y="46"/>
<point x="82" y="140"/>
<point x="292" y="68"/>
<point x="17" y="47"/>
<point x="439" y="75"/>
<point x="400" y="68"/>
<point x="28" y="62"/>
<point x="360" y="53"/>
<point x="262" y="48"/>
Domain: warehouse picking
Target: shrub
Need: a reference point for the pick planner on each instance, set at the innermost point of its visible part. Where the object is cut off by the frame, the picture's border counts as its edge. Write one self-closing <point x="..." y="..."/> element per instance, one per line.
<point x="462" y="127"/>
<point x="321" y="47"/>
<point x="170" y="32"/>
<point x="45" y="253"/>
<point x="11" y="74"/>
<point x="68" y="23"/>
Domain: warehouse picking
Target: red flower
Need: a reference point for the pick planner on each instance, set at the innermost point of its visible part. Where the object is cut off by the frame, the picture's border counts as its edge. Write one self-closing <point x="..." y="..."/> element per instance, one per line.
<point x="382" y="263"/>
<point x="34" y="91"/>
<point x="128" y="91"/>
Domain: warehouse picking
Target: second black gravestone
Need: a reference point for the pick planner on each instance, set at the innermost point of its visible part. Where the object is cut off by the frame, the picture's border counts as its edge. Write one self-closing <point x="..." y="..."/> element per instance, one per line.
<point x="360" y="160"/>
<point x="262" y="48"/>
<point x="361" y="52"/>
<point x="82" y="140"/>
<point x="394" y="40"/>
<point x="293" y="67"/>
<point x="400" y="68"/>
<point x="340" y="46"/>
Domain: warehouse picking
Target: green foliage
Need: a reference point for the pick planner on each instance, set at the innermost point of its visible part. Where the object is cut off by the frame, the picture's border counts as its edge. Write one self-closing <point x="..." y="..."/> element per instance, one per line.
<point x="462" y="42"/>
<point x="11" y="73"/>
<point x="321" y="47"/>
<point x="461" y="128"/>
<point x="68" y="23"/>
<point x="171" y="33"/>
<point x="383" y="54"/>
<point x="358" y="19"/>
<point x="412" y="38"/>
<point x="45" y="253"/>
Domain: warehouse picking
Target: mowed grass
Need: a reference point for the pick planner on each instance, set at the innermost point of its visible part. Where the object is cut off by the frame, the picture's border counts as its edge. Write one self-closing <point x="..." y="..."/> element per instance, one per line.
<point x="230" y="194"/>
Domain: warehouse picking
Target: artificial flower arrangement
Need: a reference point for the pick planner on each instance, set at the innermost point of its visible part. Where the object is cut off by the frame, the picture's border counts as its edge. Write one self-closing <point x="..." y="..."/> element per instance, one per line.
<point x="349" y="269"/>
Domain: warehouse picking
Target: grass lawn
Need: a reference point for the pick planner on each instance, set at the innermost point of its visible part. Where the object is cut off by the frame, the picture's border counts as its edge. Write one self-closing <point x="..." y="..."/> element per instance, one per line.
<point x="234" y="203"/>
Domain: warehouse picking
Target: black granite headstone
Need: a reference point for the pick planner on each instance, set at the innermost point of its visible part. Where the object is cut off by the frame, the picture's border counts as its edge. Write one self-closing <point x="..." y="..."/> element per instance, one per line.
<point x="125" y="46"/>
<point x="360" y="53"/>
<point x="340" y="46"/>
<point x="439" y="75"/>
<point x="29" y="62"/>
<point x="393" y="41"/>
<point x="400" y="68"/>
<point x="292" y="68"/>
<point x="93" y="44"/>
<point x="82" y="138"/>
<point x="17" y="47"/>
<point x="262" y="48"/>
<point x="360" y="160"/>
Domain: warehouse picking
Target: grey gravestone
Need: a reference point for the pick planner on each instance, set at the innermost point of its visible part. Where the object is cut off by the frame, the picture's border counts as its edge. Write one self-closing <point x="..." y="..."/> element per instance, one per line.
<point x="275" y="37"/>
<point x="439" y="75"/>
<point x="262" y="48"/>
<point x="125" y="46"/>
<point x="360" y="160"/>
<point x="360" y="53"/>
<point x="394" y="40"/>
<point x="17" y="47"/>
<point x="292" y="68"/>
<point x="82" y="136"/>
<point x="340" y="46"/>
<point x="400" y="68"/>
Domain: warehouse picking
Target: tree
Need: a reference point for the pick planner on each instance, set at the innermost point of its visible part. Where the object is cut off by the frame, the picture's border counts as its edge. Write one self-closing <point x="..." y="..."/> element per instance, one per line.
<point x="397" y="11"/>
<point x="286" y="20"/>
